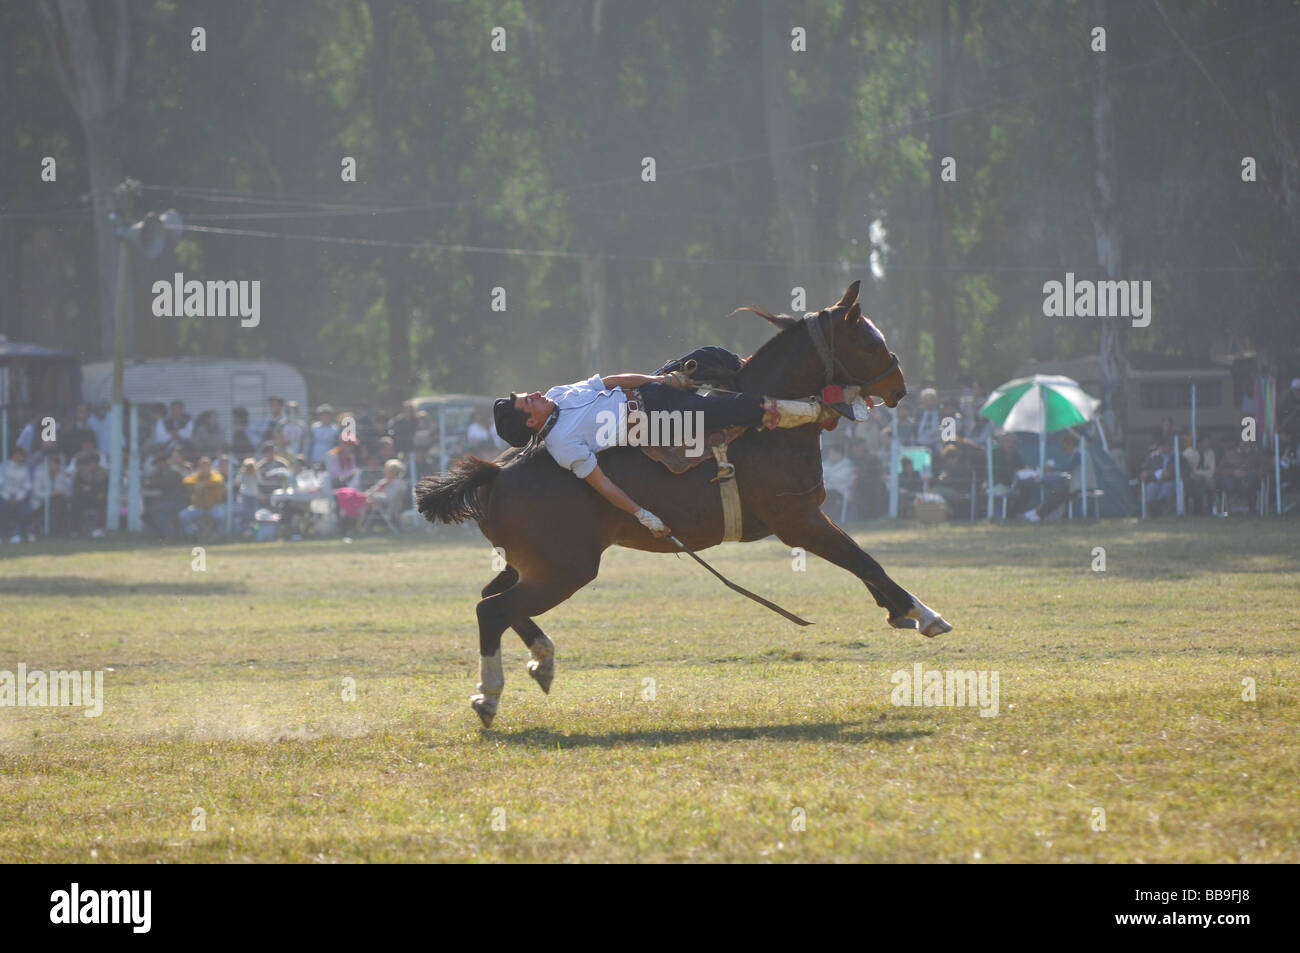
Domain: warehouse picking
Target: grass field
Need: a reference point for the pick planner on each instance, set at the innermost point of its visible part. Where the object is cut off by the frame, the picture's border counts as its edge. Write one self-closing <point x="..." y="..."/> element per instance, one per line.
<point x="1118" y="690"/>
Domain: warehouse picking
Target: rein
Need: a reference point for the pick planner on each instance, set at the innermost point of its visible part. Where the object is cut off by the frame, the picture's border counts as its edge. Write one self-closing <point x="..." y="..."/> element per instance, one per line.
<point x="826" y="351"/>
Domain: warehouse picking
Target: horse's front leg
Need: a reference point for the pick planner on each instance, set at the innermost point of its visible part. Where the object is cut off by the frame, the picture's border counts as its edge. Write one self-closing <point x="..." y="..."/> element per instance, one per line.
<point x="814" y="531"/>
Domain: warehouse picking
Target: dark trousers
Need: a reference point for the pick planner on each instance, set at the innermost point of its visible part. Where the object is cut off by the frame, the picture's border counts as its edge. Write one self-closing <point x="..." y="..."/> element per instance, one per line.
<point x="720" y="410"/>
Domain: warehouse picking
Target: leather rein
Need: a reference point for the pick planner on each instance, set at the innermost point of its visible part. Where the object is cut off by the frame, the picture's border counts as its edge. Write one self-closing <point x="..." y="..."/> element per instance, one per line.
<point x="826" y="351"/>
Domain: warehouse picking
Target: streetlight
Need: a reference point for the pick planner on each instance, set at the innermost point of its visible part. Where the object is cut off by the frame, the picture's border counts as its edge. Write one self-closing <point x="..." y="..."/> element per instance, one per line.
<point x="150" y="236"/>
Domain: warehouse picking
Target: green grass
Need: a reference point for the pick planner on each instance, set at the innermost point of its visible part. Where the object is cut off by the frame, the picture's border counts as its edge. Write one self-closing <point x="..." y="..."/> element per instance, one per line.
<point x="1119" y="690"/>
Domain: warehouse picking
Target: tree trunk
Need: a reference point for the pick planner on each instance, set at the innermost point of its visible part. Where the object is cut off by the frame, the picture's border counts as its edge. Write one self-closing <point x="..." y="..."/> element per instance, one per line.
<point x="1106" y="231"/>
<point x="595" y="340"/>
<point x="943" y="325"/>
<point x="92" y="73"/>
<point x="778" y="113"/>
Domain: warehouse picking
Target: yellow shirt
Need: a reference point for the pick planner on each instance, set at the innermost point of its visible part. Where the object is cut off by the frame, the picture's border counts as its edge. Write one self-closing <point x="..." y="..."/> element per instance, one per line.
<point x="206" y="493"/>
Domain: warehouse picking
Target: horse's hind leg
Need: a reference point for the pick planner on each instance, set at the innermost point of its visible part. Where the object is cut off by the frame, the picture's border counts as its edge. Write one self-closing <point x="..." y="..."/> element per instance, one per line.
<point x="514" y="608"/>
<point x="541" y="668"/>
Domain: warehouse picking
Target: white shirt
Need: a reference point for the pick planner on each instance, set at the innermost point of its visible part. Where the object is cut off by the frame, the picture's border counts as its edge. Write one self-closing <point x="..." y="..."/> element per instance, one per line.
<point x="572" y="441"/>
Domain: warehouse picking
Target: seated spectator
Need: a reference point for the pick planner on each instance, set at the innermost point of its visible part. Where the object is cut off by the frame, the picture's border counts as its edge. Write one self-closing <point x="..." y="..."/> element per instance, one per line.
<point x="909" y="485"/>
<point x="15" y="491"/>
<point x="342" y="462"/>
<point x="951" y="407"/>
<point x="207" y="499"/>
<point x="89" y="494"/>
<point x="869" y="501"/>
<point x="1240" y="472"/>
<point x="51" y="487"/>
<point x="1157" y="474"/>
<point x="1008" y="466"/>
<point x="392" y="494"/>
<point x="838" y="477"/>
<point x="166" y="494"/>
<point x="1067" y="466"/>
<point x="273" y="473"/>
<point x="956" y="464"/>
<point x="1198" y="477"/>
<point x="241" y="441"/>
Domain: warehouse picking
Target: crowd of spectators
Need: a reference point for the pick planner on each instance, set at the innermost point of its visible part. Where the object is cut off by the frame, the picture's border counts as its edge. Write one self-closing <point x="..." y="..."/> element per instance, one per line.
<point x="55" y="479"/>
<point x="944" y="459"/>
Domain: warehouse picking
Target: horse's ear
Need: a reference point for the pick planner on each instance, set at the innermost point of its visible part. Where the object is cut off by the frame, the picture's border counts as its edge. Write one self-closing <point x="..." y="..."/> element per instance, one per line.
<point x="852" y="315"/>
<point x="850" y="296"/>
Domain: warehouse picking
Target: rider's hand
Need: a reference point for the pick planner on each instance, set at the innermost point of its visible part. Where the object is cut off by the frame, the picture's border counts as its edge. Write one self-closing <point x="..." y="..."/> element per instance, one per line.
<point x="653" y="523"/>
<point x="676" y="379"/>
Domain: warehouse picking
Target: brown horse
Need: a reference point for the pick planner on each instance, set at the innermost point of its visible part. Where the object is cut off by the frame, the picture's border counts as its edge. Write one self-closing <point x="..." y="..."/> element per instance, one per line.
<point x="553" y="527"/>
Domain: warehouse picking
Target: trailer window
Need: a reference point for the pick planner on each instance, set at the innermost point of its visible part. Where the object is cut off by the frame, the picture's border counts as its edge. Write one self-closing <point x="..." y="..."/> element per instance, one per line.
<point x="1174" y="395"/>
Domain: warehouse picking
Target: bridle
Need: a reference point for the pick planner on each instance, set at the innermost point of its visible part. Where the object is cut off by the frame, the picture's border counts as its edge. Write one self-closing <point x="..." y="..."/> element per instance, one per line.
<point x="826" y="351"/>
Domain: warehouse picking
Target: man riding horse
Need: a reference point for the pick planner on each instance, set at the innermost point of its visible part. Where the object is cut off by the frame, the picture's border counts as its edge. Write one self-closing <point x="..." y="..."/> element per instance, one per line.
<point x="553" y="528"/>
<point x="569" y="420"/>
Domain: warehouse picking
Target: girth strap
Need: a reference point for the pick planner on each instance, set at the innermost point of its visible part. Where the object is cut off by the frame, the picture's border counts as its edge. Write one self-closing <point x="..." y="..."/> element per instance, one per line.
<point x="726" y="480"/>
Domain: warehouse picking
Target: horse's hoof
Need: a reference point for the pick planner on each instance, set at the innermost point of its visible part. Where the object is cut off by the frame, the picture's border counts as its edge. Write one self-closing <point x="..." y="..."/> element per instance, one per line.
<point x="542" y="674"/>
<point x="485" y="712"/>
<point x="938" y="626"/>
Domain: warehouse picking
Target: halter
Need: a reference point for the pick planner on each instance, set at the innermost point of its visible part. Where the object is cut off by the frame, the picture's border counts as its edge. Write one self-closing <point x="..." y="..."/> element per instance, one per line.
<point x="826" y="352"/>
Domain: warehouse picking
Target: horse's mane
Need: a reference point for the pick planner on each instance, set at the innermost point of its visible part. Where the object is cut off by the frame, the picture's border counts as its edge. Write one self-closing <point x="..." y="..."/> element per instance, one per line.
<point x="778" y="342"/>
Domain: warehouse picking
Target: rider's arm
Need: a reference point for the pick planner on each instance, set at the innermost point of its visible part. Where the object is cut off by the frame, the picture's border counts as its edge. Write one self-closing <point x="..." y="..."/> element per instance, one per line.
<point x="610" y="491"/>
<point x="634" y="380"/>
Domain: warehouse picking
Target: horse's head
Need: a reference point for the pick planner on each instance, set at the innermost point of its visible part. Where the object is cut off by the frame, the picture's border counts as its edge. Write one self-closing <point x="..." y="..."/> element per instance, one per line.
<point x="860" y="350"/>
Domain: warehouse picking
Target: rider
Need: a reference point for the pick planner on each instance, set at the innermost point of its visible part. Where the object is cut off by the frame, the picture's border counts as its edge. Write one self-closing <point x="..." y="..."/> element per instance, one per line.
<point x="567" y="418"/>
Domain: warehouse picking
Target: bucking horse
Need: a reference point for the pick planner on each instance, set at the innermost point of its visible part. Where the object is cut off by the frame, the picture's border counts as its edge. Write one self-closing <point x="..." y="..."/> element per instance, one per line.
<point x="553" y="527"/>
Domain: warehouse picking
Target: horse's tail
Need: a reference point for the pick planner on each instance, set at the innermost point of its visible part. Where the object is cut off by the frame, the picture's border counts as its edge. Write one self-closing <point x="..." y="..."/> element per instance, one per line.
<point x="452" y="497"/>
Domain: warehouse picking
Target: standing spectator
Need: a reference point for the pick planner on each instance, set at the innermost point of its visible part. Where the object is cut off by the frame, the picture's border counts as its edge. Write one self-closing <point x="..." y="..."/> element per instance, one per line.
<point x="175" y="428"/>
<point x="241" y="441"/>
<point x="291" y="432"/>
<point x="207" y="499"/>
<point x="15" y="490"/>
<point x="269" y="427"/>
<point x="89" y="494"/>
<point x="402" y="429"/>
<point x="927" y="425"/>
<point x="27" y="436"/>
<point x="1198" y="476"/>
<point x="324" y="435"/>
<point x="247" y="494"/>
<point x="207" y="433"/>
<point x="102" y="424"/>
<point x="50" y="483"/>
<point x="72" y="436"/>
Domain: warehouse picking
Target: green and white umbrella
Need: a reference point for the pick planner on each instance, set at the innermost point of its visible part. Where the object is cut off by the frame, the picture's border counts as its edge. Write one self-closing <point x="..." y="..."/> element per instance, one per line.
<point x="1041" y="404"/>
